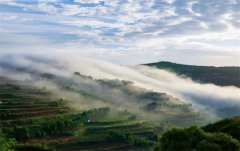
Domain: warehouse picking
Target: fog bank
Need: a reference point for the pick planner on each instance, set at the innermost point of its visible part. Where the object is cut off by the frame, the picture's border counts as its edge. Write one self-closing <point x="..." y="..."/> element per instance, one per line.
<point x="202" y="96"/>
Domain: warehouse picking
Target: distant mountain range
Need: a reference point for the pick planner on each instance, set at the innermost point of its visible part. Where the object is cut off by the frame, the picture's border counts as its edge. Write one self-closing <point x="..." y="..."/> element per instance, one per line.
<point x="223" y="76"/>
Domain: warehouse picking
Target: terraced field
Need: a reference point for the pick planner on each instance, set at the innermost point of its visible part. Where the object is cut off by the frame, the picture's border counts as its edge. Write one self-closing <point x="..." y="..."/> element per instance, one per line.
<point x="40" y="120"/>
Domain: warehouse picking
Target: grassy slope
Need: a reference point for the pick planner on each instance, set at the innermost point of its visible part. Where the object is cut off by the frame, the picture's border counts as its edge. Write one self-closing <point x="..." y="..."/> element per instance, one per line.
<point x="223" y="76"/>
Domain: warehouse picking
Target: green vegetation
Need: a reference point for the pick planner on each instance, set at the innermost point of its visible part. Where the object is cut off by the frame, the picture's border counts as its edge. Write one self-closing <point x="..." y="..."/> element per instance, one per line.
<point x="230" y="126"/>
<point x="5" y="143"/>
<point x="34" y="119"/>
<point x="32" y="147"/>
<point x="194" y="138"/>
<point x="130" y="139"/>
<point x="220" y="136"/>
<point x="223" y="76"/>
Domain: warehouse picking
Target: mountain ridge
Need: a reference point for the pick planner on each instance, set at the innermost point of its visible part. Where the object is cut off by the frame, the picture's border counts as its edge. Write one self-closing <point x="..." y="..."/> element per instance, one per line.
<point x="222" y="76"/>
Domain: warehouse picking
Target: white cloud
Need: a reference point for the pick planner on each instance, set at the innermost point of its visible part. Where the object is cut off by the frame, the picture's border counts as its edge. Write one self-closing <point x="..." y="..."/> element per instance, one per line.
<point x="129" y="27"/>
<point x="190" y="9"/>
<point x="87" y="1"/>
<point x="47" y="1"/>
<point x="90" y="22"/>
<point x="169" y="1"/>
<point x="47" y="8"/>
<point x="6" y="1"/>
<point x="8" y="17"/>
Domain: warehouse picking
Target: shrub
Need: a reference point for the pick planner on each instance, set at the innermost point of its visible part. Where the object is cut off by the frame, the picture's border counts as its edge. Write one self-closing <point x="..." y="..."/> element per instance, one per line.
<point x="5" y="143"/>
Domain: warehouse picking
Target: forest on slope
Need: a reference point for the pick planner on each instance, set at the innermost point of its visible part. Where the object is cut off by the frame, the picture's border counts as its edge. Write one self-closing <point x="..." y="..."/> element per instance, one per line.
<point x="222" y="76"/>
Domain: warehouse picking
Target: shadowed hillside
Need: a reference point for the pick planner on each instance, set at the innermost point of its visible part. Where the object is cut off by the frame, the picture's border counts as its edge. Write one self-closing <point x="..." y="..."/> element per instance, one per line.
<point x="230" y="126"/>
<point x="223" y="76"/>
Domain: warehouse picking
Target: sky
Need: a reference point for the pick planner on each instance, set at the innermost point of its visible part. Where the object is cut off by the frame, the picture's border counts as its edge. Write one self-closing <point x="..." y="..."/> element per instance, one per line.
<point x="126" y="32"/>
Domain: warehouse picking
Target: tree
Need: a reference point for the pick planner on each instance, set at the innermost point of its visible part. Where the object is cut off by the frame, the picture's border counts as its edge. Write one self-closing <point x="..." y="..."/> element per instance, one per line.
<point x="195" y="139"/>
<point x="207" y="146"/>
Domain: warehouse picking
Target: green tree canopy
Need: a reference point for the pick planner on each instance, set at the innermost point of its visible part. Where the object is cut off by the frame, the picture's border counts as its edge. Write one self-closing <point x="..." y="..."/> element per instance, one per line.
<point x="195" y="139"/>
<point x="6" y="144"/>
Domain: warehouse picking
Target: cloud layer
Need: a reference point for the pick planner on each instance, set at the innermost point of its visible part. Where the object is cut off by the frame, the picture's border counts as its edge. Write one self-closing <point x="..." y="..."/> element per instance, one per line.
<point x="64" y="65"/>
<point x="187" y="31"/>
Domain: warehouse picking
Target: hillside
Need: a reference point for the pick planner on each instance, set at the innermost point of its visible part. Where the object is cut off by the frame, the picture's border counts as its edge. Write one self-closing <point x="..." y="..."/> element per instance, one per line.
<point x="116" y="93"/>
<point x="229" y="126"/>
<point x="223" y="76"/>
<point x="38" y="120"/>
<point x="48" y="106"/>
<point x="34" y="118"/>
<point x="220" y="136"/>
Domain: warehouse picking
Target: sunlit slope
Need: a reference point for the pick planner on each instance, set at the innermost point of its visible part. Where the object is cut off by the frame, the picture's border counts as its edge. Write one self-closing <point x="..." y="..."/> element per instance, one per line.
<point x="223" y="76"/>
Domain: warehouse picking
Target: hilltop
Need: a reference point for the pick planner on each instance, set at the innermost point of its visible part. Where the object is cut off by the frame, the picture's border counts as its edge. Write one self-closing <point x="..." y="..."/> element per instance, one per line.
<point x="222" y="76"/>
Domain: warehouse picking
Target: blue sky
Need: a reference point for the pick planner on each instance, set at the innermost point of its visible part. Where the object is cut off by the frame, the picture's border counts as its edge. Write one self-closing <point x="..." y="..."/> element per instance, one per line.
<point x="204" y="32"/>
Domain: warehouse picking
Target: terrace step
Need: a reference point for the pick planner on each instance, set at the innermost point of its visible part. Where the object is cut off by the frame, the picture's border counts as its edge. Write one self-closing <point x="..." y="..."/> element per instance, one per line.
<point x="37" y="113"/>
<point x="31" y="120"/>
<point x="21" y="110"/>
<point x="30" y="106"/>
